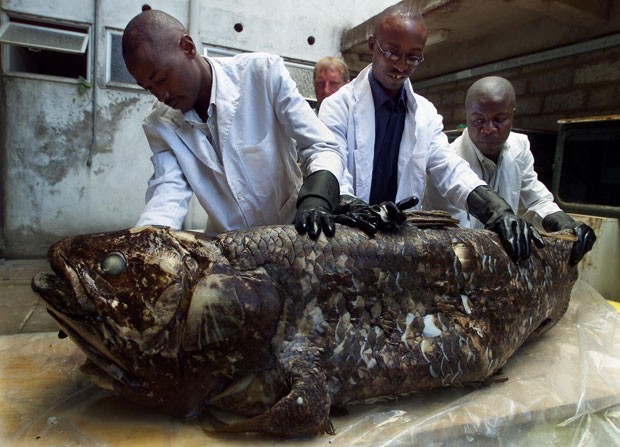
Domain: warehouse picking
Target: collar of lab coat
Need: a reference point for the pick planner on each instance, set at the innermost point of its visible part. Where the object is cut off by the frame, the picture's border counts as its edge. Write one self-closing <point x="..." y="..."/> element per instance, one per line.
<point x="225" y="94"/>
<point x="362" y="89"/>
<point x="507" y="169"/>
<point x="363" y="116"/>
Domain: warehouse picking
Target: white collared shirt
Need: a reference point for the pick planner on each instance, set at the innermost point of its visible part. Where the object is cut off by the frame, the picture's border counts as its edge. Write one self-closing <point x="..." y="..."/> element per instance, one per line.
<point x="250" y="175"/>
<point x="513" y="177"/>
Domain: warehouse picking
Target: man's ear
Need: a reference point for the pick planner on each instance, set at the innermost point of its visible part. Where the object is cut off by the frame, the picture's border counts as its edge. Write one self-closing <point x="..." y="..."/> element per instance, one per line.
<point x="371" y="43"/>
<point x="187" y="45"/>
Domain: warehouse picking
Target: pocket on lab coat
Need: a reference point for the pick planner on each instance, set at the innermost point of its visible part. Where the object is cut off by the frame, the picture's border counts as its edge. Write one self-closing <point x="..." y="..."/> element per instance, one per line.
<point x="258" y="165"/>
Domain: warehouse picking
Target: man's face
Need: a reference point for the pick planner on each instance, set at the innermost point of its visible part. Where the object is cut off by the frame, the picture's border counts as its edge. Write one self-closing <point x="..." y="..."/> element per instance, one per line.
<point x="403" y="38"/>
<point x="326" y="83"/>
<point x="489" y="122"/>
<point x="170" y="74"/>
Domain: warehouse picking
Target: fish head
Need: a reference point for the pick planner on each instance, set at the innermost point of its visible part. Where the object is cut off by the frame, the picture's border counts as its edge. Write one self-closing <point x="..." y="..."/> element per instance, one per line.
<point x="121" y="297"/>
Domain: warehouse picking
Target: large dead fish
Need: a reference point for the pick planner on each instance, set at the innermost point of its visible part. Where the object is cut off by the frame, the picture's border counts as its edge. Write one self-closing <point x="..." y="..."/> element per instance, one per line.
<point x="267" y="324"/>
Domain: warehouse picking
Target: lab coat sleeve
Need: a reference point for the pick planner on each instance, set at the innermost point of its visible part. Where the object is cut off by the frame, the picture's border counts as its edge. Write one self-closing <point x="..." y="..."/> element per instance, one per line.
<point x="316" y="145"/>
<point x="535" y="198"/>
<point x="334" y="112"/>
<point x="449" y="173"/>
<point x="168" y="193"/>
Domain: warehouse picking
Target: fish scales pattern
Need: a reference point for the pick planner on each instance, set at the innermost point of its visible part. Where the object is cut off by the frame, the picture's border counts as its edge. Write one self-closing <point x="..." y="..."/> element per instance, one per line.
<point x="266" y="323"/>
<point x="403" y="314"/>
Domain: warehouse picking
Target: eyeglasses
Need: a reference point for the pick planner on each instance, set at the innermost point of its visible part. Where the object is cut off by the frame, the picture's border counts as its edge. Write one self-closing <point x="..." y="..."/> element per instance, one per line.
<point x="412" y="61"/>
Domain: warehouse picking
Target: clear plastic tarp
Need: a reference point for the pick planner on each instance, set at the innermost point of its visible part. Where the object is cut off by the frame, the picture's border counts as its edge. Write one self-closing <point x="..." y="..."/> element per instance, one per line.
<point x="563" y="389"/>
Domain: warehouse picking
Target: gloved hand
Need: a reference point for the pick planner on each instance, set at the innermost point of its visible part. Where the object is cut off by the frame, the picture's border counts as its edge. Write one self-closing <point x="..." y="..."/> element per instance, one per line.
<point x="585" y="234"/>
<point x="385" y="216"/>
<point x="316" y="200"/>
<point x="494" y="212"/>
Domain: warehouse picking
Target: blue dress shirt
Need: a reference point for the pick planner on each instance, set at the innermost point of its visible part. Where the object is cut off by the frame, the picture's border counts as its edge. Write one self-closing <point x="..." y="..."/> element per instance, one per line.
<point x="389" y="126"/>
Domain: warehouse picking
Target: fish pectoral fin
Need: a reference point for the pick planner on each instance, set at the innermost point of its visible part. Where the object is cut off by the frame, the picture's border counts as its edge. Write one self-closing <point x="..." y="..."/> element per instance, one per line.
<point x="302" y="412"/>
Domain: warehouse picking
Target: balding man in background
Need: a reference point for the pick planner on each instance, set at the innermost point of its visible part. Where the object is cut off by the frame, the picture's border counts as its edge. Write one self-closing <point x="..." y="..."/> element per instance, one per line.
<point x="329" y="75"/>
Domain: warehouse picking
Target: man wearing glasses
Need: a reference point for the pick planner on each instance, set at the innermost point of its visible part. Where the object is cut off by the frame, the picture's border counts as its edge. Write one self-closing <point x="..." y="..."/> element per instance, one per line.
<point x="395" y="140"/>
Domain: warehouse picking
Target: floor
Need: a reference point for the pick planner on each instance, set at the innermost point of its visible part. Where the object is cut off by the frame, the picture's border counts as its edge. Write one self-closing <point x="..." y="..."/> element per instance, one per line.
<point x="21" y="310"/>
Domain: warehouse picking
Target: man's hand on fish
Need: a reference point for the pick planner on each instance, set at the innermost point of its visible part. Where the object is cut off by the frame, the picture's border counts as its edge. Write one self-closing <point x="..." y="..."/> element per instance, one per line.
<point x="516" y="235"/>
<point x="585" y="234"/>
<point x="314" y="215"/>
<point x="386" y="216"/>
<point x="317" y="198"/>
<point x="583" y="244"/>
<point x="494" y="212"/>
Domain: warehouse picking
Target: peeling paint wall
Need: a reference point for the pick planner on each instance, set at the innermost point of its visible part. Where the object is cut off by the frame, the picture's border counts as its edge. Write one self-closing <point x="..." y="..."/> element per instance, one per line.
<point x="47" y="188"/>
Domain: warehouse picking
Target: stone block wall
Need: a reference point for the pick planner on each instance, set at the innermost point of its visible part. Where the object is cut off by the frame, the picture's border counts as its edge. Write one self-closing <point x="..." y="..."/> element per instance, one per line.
<point x="582" y="85"/>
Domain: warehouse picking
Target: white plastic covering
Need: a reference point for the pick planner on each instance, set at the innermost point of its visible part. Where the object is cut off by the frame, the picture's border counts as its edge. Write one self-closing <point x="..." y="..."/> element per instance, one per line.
<point x="562" y="390"/>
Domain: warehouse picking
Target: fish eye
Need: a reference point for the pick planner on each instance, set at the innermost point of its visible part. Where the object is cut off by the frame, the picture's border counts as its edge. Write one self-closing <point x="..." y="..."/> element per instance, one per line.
<point x="113" y="264"/>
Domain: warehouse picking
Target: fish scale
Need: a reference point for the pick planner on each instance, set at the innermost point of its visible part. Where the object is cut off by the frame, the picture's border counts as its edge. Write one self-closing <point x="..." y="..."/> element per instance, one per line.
<point x="276" y="327"/>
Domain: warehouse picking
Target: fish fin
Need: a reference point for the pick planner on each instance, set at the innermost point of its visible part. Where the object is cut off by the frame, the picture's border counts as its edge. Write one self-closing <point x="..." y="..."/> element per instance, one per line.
<point x="302" y="412"/>
<point x="282" y="420"/>
<point x="305" y="409"/>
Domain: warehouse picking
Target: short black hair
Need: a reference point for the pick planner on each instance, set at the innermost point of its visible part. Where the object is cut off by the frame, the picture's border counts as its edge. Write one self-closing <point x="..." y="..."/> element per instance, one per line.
<point x="151" y="27"/>
<point x="402" y="10"/>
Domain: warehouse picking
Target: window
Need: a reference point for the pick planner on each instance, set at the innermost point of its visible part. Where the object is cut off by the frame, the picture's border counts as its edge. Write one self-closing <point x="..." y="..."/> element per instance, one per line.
<point x="300" y="71"/>
<point x="587" y="166"/>
<point x="116" y="71"/>
<point x="44" y="48"/>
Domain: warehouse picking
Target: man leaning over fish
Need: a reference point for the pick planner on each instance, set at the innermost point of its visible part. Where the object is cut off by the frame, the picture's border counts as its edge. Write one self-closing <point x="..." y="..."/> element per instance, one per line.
<point x="394" y="138"/>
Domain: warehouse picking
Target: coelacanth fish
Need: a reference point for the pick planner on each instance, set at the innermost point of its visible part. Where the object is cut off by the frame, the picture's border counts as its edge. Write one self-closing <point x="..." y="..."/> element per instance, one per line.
<point x="271" y="325"/>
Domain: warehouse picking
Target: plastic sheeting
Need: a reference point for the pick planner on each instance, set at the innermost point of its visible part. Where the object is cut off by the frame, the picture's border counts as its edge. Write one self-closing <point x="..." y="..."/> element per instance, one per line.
<point x="562" y="389"/>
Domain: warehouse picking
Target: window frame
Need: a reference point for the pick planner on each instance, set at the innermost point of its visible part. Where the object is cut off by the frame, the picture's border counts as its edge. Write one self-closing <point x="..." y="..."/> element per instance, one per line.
<point x="54" y="24"/>
<point x="6" y="27"/>
<point x="583" y="127"/>
<point x="109" y="82"/>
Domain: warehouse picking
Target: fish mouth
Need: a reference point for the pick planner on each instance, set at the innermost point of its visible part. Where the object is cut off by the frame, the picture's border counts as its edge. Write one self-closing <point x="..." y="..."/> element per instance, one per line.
<point x="56" y="294"/>
<point x="67" y="302"/>
<point x="101" y="364"/>
<point x="63" y="290"/>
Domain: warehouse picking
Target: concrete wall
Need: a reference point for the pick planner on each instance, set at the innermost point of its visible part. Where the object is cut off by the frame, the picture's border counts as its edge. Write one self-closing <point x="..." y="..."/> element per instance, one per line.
<point x="48" y="189"/>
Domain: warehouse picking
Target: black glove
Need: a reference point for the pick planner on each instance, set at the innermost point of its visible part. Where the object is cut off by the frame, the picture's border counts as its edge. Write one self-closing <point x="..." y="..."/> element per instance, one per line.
<point x="515" y="233"/>
<point x="585" y="234"/>
<point x="385" y="216"/>
<point x="317" y="198"/>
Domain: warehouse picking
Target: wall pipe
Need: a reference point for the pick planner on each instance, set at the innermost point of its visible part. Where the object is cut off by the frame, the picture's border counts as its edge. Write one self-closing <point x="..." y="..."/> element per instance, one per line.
<point x="93" y="144"/>
<point x="194" y="24"/>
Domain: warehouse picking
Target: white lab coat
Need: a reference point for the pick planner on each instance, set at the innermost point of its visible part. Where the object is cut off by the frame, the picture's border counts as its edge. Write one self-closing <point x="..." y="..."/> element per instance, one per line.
<point x="515" y="181"/>
<point x="424" y="150"/>
<point x="254" y="178"/>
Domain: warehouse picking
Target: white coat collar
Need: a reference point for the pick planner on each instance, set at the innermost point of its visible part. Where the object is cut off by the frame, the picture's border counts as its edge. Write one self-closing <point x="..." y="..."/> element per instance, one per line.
<point x="224" y="97"/>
